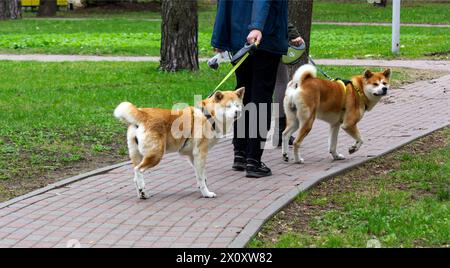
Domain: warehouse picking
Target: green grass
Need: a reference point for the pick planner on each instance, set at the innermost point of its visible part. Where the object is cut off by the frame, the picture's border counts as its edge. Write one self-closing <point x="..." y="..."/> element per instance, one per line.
<point x="134" y="37"/>
<point x="58" y="114"/>
<point x="95" y="14"/>
<point x="375" y="42"/>
<point x="412" y="11"/>
<point x="91" y="36"/>
<point x="131" y="33"/>
<point x="407" y="206"/>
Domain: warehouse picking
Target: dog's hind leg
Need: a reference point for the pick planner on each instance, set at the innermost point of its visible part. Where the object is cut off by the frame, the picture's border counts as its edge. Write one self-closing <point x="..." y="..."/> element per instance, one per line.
<point x="140" y="183"/>
<point x="152" y="151"/>
<point x="148" y="161"/>
<point x="306" y="123"/>
<point x="136" y="159"/>
<point x="332" y="142"/>
<point x="292" y="124"/>
<point x="353" y="131"/>
<point x="133" y="151"/>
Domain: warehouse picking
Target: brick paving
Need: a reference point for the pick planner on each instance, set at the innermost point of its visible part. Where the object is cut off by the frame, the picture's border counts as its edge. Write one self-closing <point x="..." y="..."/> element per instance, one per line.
<point x="102" y="210"/>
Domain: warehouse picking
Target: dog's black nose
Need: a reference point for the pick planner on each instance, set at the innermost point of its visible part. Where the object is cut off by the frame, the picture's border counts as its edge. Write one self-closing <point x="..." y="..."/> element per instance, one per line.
<point x="384" y="90"/>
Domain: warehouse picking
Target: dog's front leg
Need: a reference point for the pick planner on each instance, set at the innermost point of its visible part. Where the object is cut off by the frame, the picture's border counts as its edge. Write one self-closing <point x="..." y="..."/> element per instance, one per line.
<point x="353" y="131"/>
<point x="191" y="160"/>
<point x="332" y="142"/>
<point x="199" y="157"/>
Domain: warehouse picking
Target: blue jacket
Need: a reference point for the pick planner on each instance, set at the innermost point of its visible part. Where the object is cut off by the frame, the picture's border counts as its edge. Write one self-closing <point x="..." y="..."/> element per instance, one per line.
<point x="236" y="18"/>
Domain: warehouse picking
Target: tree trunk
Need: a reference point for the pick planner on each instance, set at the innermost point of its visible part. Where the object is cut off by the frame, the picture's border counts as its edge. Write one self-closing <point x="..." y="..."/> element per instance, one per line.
<point x="15" y="10"/>
<point x="47" y="8"/>
<point x="300" y="14"/>
<point x="3" y="10"/>
<point x="179" y="35"/>
<point x="10" y="9"/>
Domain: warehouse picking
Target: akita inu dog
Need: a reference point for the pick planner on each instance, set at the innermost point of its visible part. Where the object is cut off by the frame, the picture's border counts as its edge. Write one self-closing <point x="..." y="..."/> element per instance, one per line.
<point x="308" y="97"/>
<point x="192" y="131"/>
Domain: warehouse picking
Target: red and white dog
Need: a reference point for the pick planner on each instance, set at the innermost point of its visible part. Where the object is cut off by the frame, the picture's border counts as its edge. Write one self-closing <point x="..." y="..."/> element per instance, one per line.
<point x="308" y="97"/>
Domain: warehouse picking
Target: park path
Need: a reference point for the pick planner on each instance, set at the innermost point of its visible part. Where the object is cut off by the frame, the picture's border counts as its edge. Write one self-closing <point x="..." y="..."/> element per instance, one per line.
<point x="100" y="209"/>
<point x="417" y="64"/>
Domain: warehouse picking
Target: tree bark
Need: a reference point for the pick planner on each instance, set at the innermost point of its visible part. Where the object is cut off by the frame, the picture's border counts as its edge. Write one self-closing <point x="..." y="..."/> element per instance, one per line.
<point x="10" y="9"/>
<point x="47" y="8"/>
<point x="3" y="10"/>
<point x="300" y="14"/>
<point x="15" y="10"/>
<point x="179" y="35"/>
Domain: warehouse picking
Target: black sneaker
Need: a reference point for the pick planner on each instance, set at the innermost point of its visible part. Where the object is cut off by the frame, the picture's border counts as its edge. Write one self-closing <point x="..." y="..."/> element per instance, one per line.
<point x="257" y="169"/>
<point x="239" y="163"/>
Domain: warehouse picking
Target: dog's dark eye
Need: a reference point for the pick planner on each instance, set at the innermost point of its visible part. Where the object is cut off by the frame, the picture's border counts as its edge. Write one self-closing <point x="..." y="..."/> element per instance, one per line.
<point x="384" y="83"/>
<point x="376" y="84"/>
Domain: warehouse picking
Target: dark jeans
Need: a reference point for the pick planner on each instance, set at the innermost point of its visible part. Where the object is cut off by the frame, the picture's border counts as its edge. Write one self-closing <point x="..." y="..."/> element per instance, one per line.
<point x="258" y="75"/>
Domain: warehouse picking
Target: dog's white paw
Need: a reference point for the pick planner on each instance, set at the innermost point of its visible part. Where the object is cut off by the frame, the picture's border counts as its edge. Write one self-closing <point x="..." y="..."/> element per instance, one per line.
<point x="143" y="195"/>
<point x="209" y="195"/>
<point x="338" y="156"/>
<point x="353" y="149"/>
<point x="299" y="160"/>
<point x="285" y="157"/>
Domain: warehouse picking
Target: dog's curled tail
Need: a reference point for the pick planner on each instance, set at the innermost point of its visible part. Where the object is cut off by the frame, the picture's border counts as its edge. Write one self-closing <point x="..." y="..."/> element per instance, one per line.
<point x="304" y="72"/>
<point x="128" y="113"/>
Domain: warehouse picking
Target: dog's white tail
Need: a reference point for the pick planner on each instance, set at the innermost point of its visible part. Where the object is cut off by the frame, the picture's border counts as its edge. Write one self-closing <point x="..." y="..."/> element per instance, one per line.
<point x="304" y="72"/>
<point x="128" y="113"/>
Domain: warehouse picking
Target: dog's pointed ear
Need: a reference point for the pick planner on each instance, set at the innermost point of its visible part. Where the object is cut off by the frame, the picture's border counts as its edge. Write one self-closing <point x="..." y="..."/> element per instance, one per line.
<point x="367" y="74"/>
<point x="387" y="73"/>
<point x="218" y="96"/>
<point x="240" y="92"/>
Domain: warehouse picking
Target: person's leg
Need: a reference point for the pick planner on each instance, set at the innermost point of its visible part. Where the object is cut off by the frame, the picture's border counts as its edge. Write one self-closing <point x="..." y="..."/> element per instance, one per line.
<point x="243" y="79"/>
<point x="264" y="73"/>
<point x="280" y="87"/>
<point x="280" y="90"/>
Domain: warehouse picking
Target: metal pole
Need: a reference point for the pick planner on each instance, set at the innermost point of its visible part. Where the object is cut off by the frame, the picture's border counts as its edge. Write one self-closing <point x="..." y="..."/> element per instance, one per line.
<point x="395" y="26"/>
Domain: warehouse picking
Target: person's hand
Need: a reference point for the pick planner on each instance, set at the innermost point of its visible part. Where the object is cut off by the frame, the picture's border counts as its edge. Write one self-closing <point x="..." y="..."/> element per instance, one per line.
<point x="218" y="50"/>
<point x="254" y="36"/>
<point x="297" y="41"/>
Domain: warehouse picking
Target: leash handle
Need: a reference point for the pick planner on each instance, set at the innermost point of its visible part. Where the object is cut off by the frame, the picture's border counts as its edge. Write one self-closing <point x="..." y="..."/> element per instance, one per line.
<point x="246" y="51"/>
<point x="230" y="73"/>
